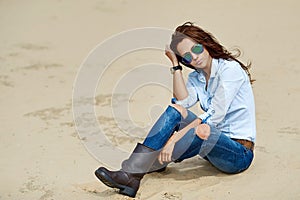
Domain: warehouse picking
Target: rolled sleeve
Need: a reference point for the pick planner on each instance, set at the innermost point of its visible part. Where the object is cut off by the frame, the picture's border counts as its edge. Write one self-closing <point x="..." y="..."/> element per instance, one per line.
<point x="186" y="103"/>
<point x="192" y="97"/>
<point x="206" y="116"/>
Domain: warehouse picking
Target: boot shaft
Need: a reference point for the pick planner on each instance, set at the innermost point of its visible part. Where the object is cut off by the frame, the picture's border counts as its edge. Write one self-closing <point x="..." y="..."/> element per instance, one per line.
<point x="140" y="161"/>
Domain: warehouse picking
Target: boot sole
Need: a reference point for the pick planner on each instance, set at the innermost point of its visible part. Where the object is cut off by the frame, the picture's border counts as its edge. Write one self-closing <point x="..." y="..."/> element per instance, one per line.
<point x="105" y="178"/>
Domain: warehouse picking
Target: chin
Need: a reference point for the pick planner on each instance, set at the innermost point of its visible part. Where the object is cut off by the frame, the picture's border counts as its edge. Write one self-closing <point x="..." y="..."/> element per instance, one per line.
<point x="201" y="66"/>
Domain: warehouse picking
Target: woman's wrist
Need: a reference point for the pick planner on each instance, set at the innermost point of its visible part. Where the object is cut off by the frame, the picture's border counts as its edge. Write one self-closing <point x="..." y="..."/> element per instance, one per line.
<point x="172" y="139"/>
<point x="175" y="63"/>
<point x="175" y="68"/>
<point x="199" y="121"/>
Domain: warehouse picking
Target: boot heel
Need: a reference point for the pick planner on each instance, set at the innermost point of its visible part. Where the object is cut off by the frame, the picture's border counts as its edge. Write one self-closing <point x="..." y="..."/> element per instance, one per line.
<point x="128" y="191"/>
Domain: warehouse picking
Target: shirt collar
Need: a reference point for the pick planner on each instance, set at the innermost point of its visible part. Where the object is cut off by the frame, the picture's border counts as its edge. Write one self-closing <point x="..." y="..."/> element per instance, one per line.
<point x="214" y="67"/>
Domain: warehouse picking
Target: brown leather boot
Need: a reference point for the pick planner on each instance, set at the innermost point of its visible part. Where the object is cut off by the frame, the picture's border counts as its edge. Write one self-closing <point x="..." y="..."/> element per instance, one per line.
<point x="133" y="170"/>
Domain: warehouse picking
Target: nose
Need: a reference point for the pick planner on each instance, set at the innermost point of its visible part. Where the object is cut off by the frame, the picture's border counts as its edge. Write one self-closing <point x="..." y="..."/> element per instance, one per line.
<point x="194" y="56"/>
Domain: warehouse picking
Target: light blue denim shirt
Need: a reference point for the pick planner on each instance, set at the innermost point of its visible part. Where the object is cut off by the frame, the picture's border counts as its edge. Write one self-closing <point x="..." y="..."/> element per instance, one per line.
<point x="228" y="102"/>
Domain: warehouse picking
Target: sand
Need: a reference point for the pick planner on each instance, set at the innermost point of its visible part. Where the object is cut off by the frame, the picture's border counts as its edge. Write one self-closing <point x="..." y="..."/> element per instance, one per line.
<point x="44" y="43"/>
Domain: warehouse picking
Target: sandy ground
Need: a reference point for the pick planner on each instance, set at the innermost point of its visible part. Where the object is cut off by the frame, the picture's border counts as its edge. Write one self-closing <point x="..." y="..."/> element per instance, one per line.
<point x="43" y="44"/>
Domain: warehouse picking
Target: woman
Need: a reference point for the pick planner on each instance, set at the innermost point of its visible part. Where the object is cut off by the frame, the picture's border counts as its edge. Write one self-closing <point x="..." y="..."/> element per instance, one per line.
<point x="224" y="134"/>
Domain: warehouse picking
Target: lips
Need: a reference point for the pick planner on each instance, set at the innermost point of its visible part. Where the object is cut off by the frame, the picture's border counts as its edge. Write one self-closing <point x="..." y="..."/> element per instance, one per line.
<point x="198" y="62"/>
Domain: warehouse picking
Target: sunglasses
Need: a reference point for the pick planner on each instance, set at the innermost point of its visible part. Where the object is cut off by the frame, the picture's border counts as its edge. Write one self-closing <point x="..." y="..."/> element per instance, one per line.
<point x="196" y="49"/>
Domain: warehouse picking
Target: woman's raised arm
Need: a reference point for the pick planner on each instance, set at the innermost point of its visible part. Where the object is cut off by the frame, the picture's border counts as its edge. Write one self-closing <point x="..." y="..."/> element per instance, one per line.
<point x="179" y="88"/>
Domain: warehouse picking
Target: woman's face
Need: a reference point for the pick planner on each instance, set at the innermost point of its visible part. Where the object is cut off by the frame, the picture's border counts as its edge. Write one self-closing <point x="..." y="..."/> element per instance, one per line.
<point x="199" y="61"/>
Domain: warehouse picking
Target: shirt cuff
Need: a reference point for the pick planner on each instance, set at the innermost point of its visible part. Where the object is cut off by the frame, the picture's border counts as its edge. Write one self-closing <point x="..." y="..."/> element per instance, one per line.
<point x="185" y="102"/>
<point x="204" y="117"/>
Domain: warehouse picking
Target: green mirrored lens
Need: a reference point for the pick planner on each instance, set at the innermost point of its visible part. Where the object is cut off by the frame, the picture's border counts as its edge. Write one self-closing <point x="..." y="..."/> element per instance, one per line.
<point x="187" y="58"/>
<point x="197" y="48"/>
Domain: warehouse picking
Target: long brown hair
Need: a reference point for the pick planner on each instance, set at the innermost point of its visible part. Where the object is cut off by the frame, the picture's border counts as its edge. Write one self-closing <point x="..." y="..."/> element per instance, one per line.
<point x="214" y="48"/>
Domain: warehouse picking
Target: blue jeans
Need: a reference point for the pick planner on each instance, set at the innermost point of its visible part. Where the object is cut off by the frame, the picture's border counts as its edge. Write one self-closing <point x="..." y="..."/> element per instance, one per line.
<point x="221" y="151"/>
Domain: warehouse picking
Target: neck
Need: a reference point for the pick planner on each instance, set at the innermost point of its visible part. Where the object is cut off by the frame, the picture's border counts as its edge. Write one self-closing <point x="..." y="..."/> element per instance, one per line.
<point x="207" y="69"/>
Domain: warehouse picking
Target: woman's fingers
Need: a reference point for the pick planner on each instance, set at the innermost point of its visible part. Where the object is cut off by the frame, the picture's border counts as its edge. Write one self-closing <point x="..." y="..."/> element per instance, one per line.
<point x="166" y="153"/>
<point x="164" y="156"/>
<point x="170" y="54"/>
<point x="169" y="158"/>
<point x="160" y="160"/>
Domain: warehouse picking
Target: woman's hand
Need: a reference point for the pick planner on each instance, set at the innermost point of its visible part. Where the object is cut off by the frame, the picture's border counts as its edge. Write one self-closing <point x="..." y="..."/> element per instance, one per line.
<point x="171" y="55"/>
<point x="166" y="153"/>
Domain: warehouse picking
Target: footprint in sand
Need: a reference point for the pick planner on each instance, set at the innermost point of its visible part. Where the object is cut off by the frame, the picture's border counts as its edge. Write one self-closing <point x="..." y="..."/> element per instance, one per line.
<point x="30" y="46"/>
<point x="172" y="195"/>
<point x="49" y="113"/>
<point x="40" y="66"/>
<point x="97" y="189"/>
<point x="261" y="149"/>
<point x="106" y="100"/>
<point x="289" y="130"/>
<point x="4" y="80"/>
<point x="14" y="54"/>
<point x="103" y="100"/>
<point x="31" y="186"/>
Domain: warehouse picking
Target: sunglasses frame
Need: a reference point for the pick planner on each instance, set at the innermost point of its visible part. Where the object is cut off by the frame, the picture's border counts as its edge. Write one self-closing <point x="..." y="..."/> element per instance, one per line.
<point x="183" y="60"/>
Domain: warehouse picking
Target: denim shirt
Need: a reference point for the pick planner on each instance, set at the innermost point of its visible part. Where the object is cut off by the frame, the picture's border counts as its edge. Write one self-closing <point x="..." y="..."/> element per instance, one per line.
<point x="228" y="102"/>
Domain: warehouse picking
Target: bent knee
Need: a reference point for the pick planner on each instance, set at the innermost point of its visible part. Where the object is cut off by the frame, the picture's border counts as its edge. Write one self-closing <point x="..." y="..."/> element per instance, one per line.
<point x="180" y="109"/>
<point x="203" y="131"/>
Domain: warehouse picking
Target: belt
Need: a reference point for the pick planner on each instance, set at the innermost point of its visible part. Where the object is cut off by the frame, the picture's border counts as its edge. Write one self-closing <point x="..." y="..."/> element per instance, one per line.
<point x="246" y="143"/>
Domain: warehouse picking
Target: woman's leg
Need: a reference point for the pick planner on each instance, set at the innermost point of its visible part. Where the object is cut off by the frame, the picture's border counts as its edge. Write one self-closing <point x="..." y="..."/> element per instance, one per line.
<point x="143" y="156"/>
<point x="224" y="153"/>
<point x="189" y="145"/>
<point x="163" y="128"/>
<point x="174" y="118"/>
<point x="228" y="155"/>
